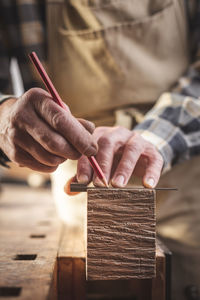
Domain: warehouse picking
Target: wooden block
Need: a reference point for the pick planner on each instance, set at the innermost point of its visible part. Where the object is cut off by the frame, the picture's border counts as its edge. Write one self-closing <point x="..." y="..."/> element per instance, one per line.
<point x="155" y="288"/>
<point x="120" y="234"/>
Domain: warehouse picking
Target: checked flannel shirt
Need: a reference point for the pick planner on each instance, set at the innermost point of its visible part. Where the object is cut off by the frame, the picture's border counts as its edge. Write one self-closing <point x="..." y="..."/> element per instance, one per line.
<point x="172" y="125"/>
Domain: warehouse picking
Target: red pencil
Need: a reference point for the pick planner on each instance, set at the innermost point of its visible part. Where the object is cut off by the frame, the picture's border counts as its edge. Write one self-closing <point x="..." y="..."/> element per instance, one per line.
<point x="55" y="96"/>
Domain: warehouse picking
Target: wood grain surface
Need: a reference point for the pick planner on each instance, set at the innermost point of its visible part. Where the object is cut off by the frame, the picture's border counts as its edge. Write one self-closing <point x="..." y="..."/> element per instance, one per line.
<point x="120" y="234"/>
<point x="29" y="240"/>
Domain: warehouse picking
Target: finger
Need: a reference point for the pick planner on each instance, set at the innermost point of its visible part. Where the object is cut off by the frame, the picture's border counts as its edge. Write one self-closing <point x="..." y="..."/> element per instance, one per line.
<point x="109" y="144"/>
<point x="130" y="157"/>
<point x="67" y="125"/>
<point x="89" y="126"/>
<point x="116" y="160"/>
<point x="27" y="143"/>
<point x="141" y="166"/>
<point x="153" y="170"/>
<point x="105" y="159"/>
<point x="67" y="188"/>
<point x="84" y="170"/>
<point x="22" y="158"/>
<point x="49" y="139"/>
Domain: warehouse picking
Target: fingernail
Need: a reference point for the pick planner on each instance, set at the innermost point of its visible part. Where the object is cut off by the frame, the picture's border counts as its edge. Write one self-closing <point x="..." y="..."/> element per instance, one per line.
<point x="149" y="182"/>
<point x="83" y="178"/>
<point x="119" y="180"/>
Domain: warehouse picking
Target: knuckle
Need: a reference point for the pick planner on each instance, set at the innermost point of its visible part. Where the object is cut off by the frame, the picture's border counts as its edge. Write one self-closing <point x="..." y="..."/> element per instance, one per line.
<point x="33" y="94"/>
<point x="134" y="147"/>
<point x="44" y="137"/>
<point x="13" y="134"/>
<point x="34" y="97"/>
<point x="51" y="143"/>
<point x="104" y="165"/>
<point x="83" y="170"/>
<point x="127" y="166"/>
<point x="16" y="119"/>
<point x="61" y="148"/>
<point x="159" y="159"/>
<point x="82" y="162"/>
<point x="57" y="119"/>
<point x="105" y="141"/>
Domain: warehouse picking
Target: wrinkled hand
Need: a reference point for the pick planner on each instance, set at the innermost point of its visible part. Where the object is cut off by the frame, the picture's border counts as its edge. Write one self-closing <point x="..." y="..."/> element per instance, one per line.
<point x="37" y="133"/>
<point x="122" y="153"/>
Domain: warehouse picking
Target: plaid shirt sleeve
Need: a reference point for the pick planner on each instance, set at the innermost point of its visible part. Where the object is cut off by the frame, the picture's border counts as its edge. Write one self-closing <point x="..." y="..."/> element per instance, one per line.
<point x="173" y="124"/>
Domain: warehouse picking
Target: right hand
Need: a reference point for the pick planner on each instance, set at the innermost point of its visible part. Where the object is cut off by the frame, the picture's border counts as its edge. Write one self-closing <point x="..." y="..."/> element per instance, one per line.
<point x="36" y="132"/>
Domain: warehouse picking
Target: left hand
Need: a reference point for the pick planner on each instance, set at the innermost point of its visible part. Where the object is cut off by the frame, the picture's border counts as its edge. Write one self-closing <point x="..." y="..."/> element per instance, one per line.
<point x="122" y="153"/>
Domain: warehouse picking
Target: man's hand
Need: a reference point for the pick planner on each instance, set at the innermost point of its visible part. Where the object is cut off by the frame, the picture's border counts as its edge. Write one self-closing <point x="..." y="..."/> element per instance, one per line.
<point x="37" y="133"/>
<point x="122" y="153"/>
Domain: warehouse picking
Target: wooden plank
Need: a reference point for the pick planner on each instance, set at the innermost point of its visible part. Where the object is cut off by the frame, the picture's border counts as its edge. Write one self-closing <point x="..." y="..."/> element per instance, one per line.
<point x="29" y="238"/>
<point x="158" y="283"/>
<point x="161" y="284"/>
<point x="120" y="234"/>
<point x="71" y="263"/>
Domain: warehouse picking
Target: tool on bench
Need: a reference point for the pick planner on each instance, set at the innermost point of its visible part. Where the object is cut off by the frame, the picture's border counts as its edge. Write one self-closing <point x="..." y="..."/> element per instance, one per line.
<point x="56" y="98"/>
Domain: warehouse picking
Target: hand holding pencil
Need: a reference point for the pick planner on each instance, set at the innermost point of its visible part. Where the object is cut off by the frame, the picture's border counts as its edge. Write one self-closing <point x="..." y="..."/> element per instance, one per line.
<point x="40" y="135"/>
<point x="56" y="98"/>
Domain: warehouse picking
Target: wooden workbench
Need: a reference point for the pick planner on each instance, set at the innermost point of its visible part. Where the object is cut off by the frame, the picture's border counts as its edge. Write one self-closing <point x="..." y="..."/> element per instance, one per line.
<point x="42" y="259"/>
<point x="29" y="239"/>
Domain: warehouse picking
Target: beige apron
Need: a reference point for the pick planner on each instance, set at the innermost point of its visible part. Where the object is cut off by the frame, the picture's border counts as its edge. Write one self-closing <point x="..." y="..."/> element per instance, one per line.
<point x="111" y="56"/>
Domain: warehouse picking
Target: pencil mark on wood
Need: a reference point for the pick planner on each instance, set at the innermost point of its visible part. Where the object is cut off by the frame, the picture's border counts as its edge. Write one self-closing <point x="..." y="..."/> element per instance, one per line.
<point x="121" y="234"/>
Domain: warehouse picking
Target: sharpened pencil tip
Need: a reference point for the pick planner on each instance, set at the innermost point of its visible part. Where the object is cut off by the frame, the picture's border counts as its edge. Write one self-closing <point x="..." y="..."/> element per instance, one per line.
<point x="105" y="182"/>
